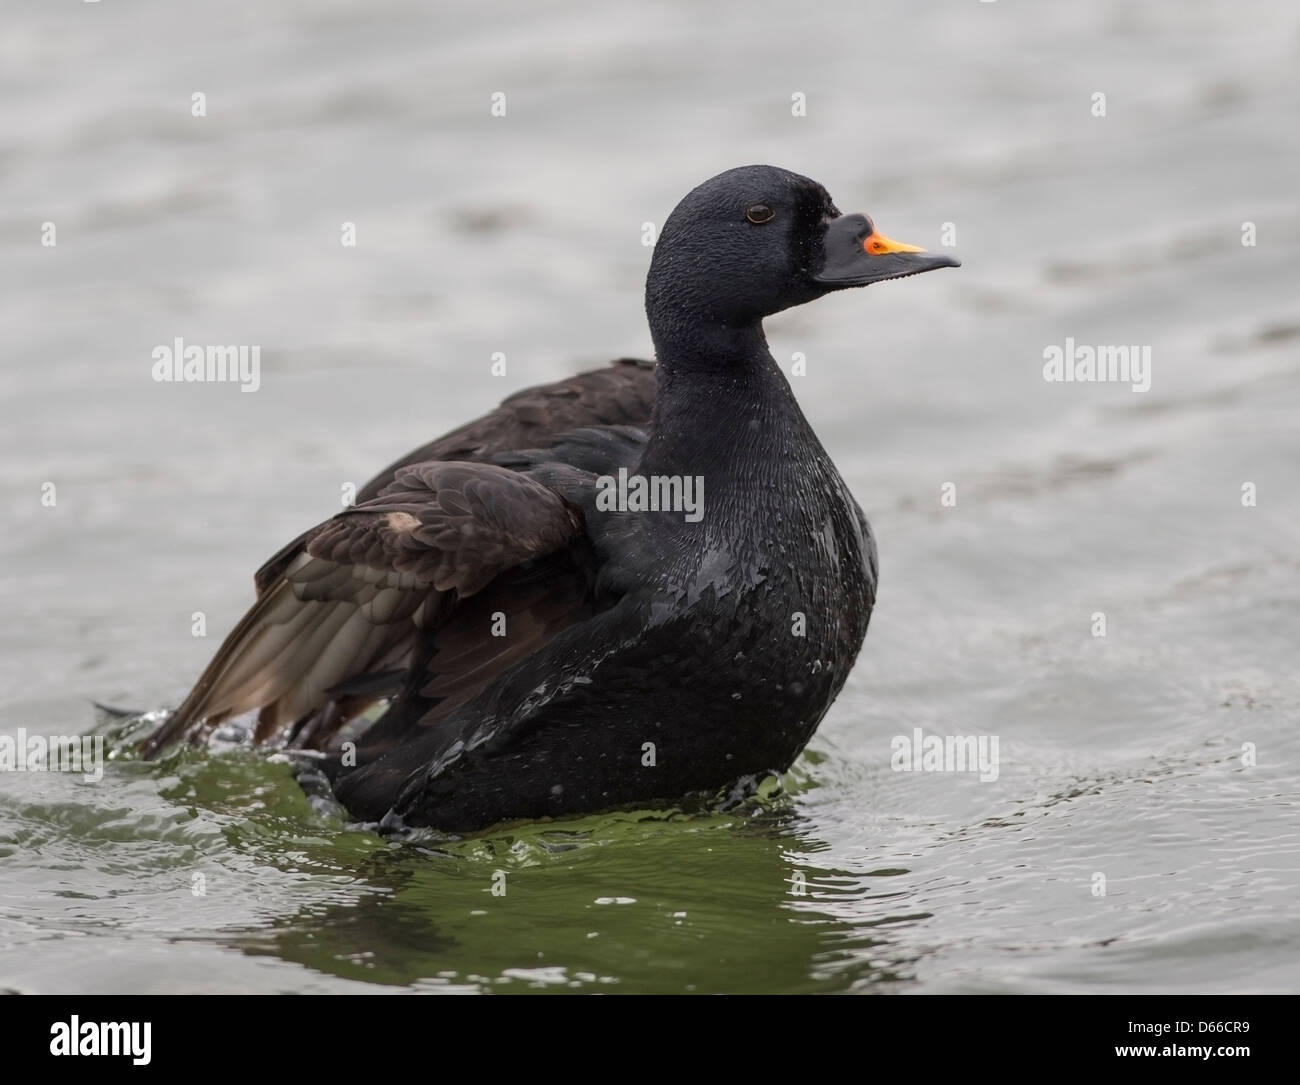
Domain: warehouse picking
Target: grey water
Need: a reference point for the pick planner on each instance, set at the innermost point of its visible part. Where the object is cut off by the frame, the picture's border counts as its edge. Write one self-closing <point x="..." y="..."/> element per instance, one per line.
<point x="1142" y="832"/>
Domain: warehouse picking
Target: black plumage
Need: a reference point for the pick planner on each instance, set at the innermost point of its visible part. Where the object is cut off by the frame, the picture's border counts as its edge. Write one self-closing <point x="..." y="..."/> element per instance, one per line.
<point x="543" y="653"/>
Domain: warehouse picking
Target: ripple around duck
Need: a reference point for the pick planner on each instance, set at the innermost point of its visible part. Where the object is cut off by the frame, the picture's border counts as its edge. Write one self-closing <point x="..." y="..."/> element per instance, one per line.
<point x="713" y="899"/>
<point x="339" y="900"/>
<point x="627" y="897"/>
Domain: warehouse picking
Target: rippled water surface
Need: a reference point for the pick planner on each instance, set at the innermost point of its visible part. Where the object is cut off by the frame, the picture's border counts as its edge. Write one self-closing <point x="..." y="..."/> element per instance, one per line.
<point x="1161" y="757"/>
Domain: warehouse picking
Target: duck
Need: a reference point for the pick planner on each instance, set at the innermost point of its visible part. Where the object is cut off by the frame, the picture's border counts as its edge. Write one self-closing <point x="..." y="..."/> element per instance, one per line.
<point x="625" y="589"/>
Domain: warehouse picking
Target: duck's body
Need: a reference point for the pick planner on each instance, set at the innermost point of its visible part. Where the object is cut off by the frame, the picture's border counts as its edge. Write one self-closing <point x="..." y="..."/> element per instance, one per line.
<point x="549" y="654"/>
<point x="711" y="651"/>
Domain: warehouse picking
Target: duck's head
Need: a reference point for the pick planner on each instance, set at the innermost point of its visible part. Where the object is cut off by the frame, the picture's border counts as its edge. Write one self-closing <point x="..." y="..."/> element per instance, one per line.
<point x="757" y="239"/>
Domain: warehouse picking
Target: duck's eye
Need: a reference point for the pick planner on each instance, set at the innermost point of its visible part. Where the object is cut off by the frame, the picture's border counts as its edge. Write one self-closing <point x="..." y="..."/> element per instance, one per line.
<point x="760" y="213"/>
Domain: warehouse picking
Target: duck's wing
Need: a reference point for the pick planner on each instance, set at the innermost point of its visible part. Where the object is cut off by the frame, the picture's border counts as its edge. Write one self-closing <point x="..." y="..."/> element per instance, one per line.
<point x="621" y="393"/>
<point x="520" y="613"/>
<point x="351" y="604"/>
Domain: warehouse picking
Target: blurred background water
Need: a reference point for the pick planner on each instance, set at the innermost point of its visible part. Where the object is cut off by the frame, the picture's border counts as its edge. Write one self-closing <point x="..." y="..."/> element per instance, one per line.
<point x="1121" y="756"/>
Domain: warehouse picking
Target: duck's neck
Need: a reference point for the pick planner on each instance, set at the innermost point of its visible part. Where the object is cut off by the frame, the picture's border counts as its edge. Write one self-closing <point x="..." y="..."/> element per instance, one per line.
<point x="721" y="402"/>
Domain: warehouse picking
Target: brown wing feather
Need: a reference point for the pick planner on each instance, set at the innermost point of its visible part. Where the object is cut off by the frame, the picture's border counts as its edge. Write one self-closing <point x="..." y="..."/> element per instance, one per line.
<point x="352" y="601"/>
<point x="482" y="637"/>
<point x="619" y="394"/>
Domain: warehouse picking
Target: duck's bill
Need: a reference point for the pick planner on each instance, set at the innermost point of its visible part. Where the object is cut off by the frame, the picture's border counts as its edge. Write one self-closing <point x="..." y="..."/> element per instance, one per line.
<point x="854" y="254"/>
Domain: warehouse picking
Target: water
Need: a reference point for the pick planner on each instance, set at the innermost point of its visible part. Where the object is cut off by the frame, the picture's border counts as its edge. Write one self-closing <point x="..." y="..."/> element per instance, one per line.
<point x="1121" y="756"/>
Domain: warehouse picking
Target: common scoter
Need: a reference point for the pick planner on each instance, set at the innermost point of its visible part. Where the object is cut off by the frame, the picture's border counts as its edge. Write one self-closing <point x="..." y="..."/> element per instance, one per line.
<point x="624" y="588"/>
